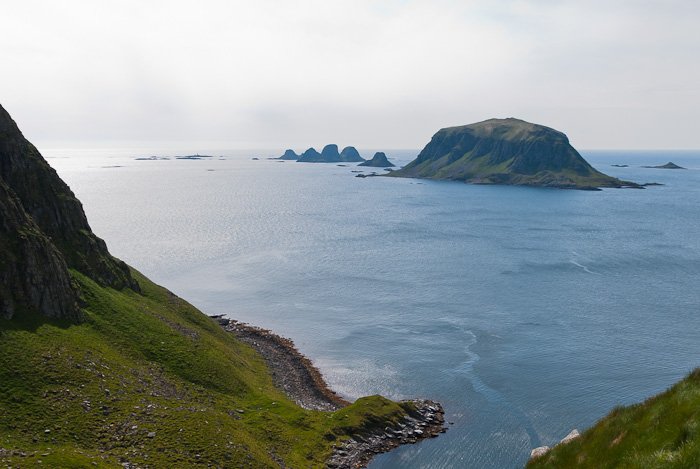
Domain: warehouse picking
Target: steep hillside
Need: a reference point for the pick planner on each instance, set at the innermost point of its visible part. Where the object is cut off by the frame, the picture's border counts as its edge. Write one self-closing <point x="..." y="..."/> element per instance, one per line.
<point x="506" y="151"/>
<point x="663" y="432"/>
<point x="99" y="367"/>
<point x="148" y="380"/>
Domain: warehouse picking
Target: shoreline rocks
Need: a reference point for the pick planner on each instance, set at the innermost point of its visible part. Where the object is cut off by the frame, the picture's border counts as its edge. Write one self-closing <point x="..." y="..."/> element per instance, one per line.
<point x="426" y="422"/>
<point x="296" y="375"/>
<point x="542" y="450"/>
<point x="291" y="371"/>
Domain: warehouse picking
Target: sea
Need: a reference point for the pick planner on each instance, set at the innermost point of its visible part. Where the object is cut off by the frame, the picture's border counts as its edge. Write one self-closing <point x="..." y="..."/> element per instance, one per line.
<point x="527" y="312"/>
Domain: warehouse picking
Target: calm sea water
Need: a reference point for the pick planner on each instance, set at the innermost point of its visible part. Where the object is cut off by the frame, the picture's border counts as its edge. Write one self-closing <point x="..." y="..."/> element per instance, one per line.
<point x="526" y="312"/>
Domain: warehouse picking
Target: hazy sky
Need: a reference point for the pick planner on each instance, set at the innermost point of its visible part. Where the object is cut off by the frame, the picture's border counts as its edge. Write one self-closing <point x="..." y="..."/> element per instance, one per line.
<point x="378" y="74"/>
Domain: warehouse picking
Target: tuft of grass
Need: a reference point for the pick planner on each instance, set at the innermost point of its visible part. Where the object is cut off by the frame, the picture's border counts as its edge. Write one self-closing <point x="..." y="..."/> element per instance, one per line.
<point x="660" y="432"/>
<point x="149" y="380"/>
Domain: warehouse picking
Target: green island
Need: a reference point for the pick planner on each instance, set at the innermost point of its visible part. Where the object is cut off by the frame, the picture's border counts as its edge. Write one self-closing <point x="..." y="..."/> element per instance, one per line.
<point x="100" y="367"/>
<point x="507" y="151"/>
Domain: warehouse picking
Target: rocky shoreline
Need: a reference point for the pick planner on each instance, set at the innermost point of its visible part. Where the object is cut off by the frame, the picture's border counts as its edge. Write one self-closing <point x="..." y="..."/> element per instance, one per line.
<point x="291" y="371"/>
<point x="427" y="421"/>
<point x="302" y="382"/>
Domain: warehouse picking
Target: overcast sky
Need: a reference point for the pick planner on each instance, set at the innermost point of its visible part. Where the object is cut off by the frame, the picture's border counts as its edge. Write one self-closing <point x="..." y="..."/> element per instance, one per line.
<point x="374" y="74"/>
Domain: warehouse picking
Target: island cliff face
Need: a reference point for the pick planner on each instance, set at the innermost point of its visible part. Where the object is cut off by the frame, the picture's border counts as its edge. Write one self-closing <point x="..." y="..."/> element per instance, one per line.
<point x="506" y="151"/>
<point x="44" y="232"/>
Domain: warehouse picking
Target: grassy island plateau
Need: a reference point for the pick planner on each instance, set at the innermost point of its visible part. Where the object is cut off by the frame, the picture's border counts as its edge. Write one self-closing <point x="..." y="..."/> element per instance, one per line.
<point x="507" y="151"/>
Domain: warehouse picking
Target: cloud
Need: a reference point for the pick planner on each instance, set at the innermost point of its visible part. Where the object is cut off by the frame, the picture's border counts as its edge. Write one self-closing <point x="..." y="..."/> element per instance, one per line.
<point x="378" y="74"/>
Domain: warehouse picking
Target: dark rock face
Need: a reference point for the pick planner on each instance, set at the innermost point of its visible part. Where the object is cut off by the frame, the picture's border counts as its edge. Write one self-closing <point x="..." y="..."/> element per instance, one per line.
<point x="43" y="215"/>
<point x="378" y="161"/>
<point x="350" y="155"/>
<point x="33" y="274"/>
<point x="507" y="151"/>
<point x="289" y="155"/>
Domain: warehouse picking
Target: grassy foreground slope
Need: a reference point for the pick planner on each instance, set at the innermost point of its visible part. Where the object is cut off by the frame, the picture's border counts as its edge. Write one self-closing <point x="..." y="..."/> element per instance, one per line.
<point x="150" y="381"/>
<point x="663" y="432"/>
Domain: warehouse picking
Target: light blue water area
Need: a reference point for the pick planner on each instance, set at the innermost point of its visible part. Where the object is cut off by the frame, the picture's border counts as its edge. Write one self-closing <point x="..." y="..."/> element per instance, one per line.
<point x="527" y="312"/>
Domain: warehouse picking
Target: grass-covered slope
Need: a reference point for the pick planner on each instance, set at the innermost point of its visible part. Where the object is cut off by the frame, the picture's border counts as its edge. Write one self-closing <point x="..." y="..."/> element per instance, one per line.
<point x="506" y="151"/>
<point x="147" y="379"/>
<point x="663" y="432"/>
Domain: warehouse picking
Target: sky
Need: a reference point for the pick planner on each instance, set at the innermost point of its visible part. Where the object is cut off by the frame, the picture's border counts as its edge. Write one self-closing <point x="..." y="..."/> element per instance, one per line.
<point x="621" y="74"/>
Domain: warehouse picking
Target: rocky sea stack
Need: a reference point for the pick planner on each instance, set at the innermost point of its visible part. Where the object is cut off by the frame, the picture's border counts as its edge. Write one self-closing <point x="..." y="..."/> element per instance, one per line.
<point x="310" y="156"/>
<point x="507" y="151"/>
<point x="289" y="155"/>
<point x="378" y="161"/>
<point x="330" y="154"/>
<point x="43" y="233"/>
<point x="350" y="155"/>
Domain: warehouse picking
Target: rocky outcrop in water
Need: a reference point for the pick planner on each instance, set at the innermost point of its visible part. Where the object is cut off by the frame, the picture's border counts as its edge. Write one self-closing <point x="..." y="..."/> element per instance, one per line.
<point x="350" y="155"/>
<point x="289" y="155"/>
<point x="507" y="151"/>
<point x="44" y="233"/>
<point x="378" y="161"/>
<point x="310" y="156"/>
<point x="330" y="154"/>
<point x="669" y="165"/>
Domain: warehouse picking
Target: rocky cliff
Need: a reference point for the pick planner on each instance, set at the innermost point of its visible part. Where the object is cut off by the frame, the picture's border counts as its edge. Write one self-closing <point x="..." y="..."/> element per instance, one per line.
<point x="45" y="232"/>
<point x="507" y="151"/>
<point x="33" y="274"/>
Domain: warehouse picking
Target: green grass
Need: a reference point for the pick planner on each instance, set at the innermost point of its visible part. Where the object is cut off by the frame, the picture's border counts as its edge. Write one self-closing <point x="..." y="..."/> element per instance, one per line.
<point x="663" y="432"/>
<point x="148" y="379"/>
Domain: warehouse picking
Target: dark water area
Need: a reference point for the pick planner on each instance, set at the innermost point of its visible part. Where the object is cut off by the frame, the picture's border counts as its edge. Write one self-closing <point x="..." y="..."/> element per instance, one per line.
<point x="527" y="312"/>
